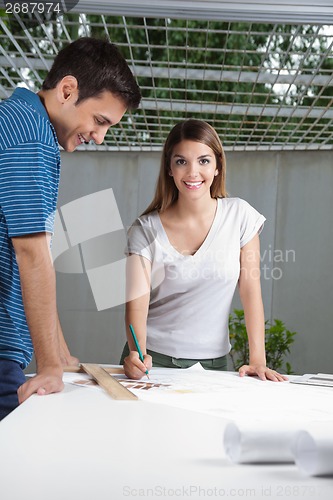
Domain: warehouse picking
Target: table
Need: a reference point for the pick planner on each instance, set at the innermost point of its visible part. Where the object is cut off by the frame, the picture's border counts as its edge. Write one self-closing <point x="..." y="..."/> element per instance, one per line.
<point x="81" y="444"/>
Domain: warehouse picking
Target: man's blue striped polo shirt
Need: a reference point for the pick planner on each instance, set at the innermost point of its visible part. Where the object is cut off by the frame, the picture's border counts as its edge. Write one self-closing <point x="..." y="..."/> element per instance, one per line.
<point x="29" y="180"/>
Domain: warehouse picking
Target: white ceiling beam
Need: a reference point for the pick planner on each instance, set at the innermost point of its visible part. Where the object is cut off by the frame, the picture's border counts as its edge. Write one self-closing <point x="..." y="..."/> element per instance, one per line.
<point x="237" y="109"/>
<point x="227" y="109"/>
<point x="259" y="11"/>
<point x="264" y="77"/>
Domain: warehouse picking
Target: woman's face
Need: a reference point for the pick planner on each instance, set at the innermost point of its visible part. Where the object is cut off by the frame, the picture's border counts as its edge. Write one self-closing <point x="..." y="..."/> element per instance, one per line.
<point x="193" y="168"/>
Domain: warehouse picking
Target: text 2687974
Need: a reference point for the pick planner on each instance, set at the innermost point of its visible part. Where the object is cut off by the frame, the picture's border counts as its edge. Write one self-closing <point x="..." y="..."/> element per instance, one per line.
<point x="32" y="7"/>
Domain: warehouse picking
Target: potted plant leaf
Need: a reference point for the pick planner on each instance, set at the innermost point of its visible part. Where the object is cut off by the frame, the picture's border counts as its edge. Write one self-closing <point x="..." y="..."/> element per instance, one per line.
<point x="278" y="340"/>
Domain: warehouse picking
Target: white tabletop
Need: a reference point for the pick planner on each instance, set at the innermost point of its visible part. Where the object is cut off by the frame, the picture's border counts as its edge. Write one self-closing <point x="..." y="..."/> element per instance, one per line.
<point x="81" y="444"/>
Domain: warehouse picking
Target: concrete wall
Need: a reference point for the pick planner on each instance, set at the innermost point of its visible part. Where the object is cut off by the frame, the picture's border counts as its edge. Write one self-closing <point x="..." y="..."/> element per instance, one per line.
<point x="292" y="189"/>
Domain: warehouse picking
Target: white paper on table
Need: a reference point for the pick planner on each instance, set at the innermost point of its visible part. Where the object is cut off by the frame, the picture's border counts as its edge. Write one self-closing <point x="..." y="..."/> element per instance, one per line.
<point x="322" y="379"/>
<point x="313" y="449"/>
<point x="258" y="442"/>
<point x="226" y="395"/>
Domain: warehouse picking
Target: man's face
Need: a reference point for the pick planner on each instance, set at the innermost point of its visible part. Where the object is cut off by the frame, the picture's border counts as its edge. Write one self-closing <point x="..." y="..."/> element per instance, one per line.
<point x="89" y="120"/>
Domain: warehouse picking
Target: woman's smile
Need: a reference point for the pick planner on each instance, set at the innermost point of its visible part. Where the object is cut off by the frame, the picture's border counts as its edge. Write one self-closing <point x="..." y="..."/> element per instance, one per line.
<point x="193" y="184"/>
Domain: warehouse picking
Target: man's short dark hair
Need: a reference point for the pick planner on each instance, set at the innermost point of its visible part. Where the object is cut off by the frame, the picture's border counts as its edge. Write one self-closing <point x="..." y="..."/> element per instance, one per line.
<point x="98" y="66"/>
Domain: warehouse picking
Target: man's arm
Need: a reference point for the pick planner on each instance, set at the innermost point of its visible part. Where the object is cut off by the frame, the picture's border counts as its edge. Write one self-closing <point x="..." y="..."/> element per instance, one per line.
<point x="37" y="277"/>
<point x="65" y="356"/>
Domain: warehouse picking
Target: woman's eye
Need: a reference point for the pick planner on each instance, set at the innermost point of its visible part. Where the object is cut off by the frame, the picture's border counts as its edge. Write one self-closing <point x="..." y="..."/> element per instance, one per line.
<point x="204" y="161"/>
<point x="180" y="162"/>
<point x="100" y="122"/>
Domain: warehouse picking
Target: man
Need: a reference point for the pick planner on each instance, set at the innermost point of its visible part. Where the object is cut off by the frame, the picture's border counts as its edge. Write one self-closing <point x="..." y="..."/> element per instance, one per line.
<point x="87" y="90"/>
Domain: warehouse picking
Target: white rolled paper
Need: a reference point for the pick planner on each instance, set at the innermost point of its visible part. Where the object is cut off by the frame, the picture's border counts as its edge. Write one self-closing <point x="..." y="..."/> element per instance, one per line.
<point x="313" y="450"/>
<point x="259" y="442"/>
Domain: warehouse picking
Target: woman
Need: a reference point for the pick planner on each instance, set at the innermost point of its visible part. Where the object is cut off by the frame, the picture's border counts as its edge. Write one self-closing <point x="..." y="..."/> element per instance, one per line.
<point x="187" y="252"/>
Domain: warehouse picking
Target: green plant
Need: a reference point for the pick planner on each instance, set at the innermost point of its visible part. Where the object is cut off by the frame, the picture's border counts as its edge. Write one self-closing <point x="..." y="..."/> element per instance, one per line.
<point x="277" y="342"/>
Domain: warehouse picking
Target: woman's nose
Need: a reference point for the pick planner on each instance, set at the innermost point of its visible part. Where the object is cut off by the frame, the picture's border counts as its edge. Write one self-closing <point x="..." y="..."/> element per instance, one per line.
<point x="193" y="169"/>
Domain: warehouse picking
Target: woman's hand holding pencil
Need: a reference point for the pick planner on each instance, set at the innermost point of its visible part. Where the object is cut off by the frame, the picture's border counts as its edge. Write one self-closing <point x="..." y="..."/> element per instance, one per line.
<point x="136" y="369"/>
<point x="136" y="365"/>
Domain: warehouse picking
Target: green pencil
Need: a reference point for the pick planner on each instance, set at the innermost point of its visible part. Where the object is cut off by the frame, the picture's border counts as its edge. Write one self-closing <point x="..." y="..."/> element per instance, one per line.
<point x="137" y="346"/>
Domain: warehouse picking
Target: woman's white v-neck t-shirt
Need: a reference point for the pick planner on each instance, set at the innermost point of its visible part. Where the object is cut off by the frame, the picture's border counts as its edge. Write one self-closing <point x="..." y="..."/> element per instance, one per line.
<point x="191" y="295"/>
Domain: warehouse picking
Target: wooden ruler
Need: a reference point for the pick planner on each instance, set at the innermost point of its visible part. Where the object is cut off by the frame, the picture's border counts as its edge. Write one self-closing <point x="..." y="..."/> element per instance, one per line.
<point x="79" y="369"/>
<point x="109" y="384"/>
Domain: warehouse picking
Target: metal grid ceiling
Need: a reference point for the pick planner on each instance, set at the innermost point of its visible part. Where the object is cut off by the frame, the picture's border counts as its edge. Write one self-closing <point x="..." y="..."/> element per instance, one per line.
<point x="262" y="86"/>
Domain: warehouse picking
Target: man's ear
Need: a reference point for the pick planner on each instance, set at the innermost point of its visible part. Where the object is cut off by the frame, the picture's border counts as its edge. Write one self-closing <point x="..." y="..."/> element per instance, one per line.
<point x="68" y="89"/>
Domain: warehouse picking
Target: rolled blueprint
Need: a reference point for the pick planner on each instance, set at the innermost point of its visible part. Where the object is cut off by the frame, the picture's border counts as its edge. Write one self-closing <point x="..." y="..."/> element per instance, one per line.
<point x="313" y="450"/>
<point x="258" y="442"/>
